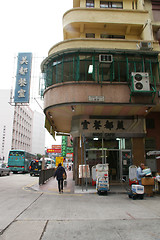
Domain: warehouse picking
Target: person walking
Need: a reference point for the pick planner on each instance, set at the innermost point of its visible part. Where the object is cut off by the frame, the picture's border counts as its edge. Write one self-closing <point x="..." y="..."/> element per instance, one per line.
<point x="60" y="173"/>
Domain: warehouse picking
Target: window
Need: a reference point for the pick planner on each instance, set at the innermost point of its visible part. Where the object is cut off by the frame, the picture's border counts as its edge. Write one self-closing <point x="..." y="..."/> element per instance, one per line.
<point x="150" y="144"/>
<point x="112" y="36"/>
<point x="134" y="5"/>
<point x="90" y="35"/>
<point x="150" y="124"/>
<point x="103" y="4"/>
<point x="106" y="4"/>
<point x="90" y="3"/>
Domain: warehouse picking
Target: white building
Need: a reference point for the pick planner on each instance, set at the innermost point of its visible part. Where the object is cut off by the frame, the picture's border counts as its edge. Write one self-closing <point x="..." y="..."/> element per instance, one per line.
<point x="38" y="133"/>
<point x="6" y="122"/>
<point x="20" y="128"/>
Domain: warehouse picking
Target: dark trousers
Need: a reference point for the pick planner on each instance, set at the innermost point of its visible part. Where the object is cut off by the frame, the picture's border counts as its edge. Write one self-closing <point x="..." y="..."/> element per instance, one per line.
<point x="60" y="184"/>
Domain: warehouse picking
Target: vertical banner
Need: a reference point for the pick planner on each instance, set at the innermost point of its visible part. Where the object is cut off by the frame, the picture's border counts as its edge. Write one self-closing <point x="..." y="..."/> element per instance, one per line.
<point x="23" y="77"/>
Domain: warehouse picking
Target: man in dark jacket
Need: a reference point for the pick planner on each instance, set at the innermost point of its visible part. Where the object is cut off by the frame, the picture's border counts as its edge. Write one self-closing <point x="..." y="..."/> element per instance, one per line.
<point x="59" y="175"/>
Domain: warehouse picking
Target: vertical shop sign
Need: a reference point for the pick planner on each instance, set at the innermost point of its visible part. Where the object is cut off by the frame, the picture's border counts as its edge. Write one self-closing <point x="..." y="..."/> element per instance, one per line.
<point x="23" y="77"/>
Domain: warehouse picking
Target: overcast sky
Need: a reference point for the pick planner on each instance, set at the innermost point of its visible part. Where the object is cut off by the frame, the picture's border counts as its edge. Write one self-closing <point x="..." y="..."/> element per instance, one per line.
<point x="28" y="26"/>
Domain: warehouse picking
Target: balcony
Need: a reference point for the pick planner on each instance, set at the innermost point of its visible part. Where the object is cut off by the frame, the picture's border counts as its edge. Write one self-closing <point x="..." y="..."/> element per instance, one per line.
<point x="71" y="100"/>
<point x="127" y="21"/>
<point x="101" y="44"/>
<point x="69" y="85"/>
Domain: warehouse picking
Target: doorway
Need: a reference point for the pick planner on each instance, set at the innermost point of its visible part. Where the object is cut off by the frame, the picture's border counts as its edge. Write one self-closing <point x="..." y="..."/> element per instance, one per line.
<point x="112" y="152"/>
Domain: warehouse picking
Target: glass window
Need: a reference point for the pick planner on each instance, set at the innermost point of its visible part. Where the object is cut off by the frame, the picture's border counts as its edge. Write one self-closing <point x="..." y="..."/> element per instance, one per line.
<point x="104" y="36"/>
<point x="90" y="3"/>
<point x="117" y="5"/>
<point x="16" y="153"/>
<point x="112" y="36"/>
<point x="90" y="35"/>
<point x="104" y="4"/>
<point x="107" y="4"/>
<point x="150" y="123"/>
<point x="134" y="5"/>
<point x="84" y="68"/>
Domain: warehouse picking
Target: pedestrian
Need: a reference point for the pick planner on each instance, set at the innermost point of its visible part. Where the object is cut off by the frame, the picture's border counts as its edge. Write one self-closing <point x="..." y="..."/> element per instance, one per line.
<point x="60" y="174"/>
<point x="140" y="173"/>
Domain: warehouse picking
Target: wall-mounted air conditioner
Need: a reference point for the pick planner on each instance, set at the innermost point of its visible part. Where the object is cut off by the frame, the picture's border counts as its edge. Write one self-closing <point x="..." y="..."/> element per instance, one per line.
<point x="145" y="45"/>
<point x="105" y="58"/>
<point x="140" y="81"/>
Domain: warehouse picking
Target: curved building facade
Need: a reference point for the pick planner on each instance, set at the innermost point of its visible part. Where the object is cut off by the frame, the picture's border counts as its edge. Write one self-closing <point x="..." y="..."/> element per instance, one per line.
<point x="102" y="84"/>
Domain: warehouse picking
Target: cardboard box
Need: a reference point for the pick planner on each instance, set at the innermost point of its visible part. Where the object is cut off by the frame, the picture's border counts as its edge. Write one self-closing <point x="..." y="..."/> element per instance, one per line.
<point x="148" y="190"/>
<point x="148" y="181"/>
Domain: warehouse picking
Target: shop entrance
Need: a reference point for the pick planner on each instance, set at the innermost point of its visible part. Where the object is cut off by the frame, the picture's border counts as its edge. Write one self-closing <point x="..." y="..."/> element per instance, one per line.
<point x="113" y="152"/>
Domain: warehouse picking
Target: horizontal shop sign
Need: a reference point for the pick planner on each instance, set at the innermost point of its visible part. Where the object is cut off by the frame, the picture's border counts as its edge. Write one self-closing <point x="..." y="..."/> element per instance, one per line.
<point x="53" y="150"/>
<point x="112" y="126"/>
<point x="56" y="146"/>
<point x="96" y="98"/>
<point x="69" y="155"/>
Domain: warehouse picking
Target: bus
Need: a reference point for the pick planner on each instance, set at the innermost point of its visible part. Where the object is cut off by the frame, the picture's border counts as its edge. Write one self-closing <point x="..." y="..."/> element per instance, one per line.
<point x="19" y="160"/>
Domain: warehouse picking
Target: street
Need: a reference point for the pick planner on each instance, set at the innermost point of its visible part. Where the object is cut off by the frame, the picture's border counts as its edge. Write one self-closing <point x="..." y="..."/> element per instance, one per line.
<point x="29" y="212"/>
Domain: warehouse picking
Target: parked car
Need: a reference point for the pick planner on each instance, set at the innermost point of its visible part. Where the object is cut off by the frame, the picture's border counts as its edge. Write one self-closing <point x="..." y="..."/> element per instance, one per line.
<point x="4" y="170"/>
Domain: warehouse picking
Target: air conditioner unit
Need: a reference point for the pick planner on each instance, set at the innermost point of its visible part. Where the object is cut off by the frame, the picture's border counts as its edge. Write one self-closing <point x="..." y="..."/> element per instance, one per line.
<point x="140" y="82"/>
<point x="145" y="45"/>
<point x="105" y="58"/>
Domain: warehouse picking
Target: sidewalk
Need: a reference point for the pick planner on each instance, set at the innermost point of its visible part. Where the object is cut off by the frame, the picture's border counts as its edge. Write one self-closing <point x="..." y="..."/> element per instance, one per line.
<point x="69" y="187"/>
<point x="41" y="213"/>
<point x="51" y="186"/>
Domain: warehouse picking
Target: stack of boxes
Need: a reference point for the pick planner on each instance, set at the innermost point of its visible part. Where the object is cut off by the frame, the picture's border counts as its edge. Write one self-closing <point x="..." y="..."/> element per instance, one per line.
<point x="148" y="183"/>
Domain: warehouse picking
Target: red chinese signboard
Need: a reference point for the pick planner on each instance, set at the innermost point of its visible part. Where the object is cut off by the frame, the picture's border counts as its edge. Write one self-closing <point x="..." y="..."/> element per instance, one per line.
<point x="54" y="150"/>
<point x="69" y="155"/>
<point x="56" y="146"/>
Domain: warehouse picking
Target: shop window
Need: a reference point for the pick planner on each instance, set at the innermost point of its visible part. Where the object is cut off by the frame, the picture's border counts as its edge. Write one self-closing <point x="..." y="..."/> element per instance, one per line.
<point x="90" y="35"/>
<point x="106" y="4"/>
<point x="150" y="123"/>
<point x="90" y="3"/>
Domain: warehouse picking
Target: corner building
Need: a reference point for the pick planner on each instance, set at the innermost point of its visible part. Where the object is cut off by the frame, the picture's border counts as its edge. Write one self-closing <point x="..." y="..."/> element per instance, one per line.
<point x="102" y="84"/>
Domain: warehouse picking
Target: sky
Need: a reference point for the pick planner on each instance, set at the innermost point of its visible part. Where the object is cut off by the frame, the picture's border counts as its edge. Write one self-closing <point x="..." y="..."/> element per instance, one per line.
<point x="29" y="26"/>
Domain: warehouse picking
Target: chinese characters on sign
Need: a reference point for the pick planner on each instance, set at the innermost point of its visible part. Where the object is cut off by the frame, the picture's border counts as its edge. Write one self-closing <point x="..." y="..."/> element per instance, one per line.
<point x="97" y="124"/>
<point x="22" y="88"/>
<point x="112" y="125"/>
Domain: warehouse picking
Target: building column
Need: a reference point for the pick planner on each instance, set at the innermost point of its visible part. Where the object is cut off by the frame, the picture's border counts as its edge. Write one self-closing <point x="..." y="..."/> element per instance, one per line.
<point x="138" y="151"/>
<point x="82" y="3"/>
<point x="78" y="158"/>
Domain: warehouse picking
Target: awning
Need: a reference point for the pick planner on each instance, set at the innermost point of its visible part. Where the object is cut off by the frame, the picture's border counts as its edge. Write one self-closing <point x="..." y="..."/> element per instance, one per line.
<point x="49" y="128"/>
<point x="153" y="153"/>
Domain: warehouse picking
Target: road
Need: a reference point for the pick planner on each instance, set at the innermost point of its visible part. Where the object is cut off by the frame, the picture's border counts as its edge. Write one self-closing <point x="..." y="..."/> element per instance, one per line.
<point x="32" y="214"/>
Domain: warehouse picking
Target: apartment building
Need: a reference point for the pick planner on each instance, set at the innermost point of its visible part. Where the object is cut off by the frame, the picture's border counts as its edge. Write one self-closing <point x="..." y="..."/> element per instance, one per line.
<point x="102" y="84"/>
<point x="6" y="121"/>
<point x="20" y="128"/>
<point x="38" y="133"/>
<point x="28" y="130"/>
